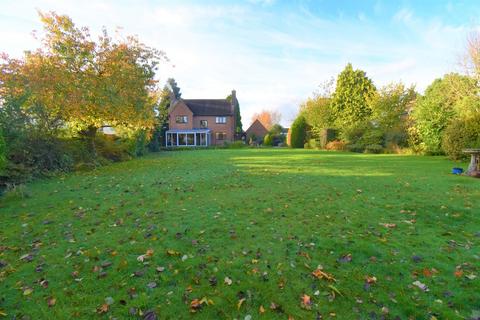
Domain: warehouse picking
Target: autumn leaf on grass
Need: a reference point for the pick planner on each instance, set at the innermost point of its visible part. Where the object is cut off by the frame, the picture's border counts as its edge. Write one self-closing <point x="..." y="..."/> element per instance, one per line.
<point x="171" y="252"/>
<point x="147" y="255"/>
<point x="103" y="308"/>
<point x="239" y="303"/>
<point x="27" y="291"/>
<point x="197" y="304"/>
<point x="261" y="309"/>
<point x="420" y="285"/>
<point x="458" y="273"/>
<point x="319" y="274"/>
<point x="306" y="303"/>
<point x="388" y="225"/>
<point x="51" y="301"/>
<point x="371" y="280"/>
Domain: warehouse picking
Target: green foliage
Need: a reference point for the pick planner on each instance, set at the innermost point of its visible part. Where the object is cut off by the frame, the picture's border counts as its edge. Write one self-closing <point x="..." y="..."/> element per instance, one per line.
<point x="311" y="144"/>
<point x="461" y="134"/>
<point x="235" y="145"/>
<point x="3" y="151"/>
<point x="318" y="113"/>
<point x="298" y="132"/>
<point x="268" y="140"/>
<point x="373" y="148"/>
<point x="360" y="136"/>
<point x="350" y="99"/>
<point x="237" y="115"/>
<point x="174" y="88"/>
<point x="445" y="99"/>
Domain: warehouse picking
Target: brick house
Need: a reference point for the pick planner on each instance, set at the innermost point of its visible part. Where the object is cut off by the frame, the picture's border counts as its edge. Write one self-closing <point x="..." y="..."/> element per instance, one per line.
<point x="200" y="122"/>
<point x="256" y="131"/>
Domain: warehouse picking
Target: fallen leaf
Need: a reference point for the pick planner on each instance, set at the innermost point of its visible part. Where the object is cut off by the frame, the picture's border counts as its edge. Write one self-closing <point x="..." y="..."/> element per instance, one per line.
<point x="420" y="285"/>
<point x="51" y="301"/>
<point x="261" y="309"/>
<point x="27" y="291"/>
<point x="240" y="302"/>
<point x="103" y="308"/>
<point x="370" y="280"/>
<point x="319" y="274"/>
<point x="458" y="273"/>
<point x="306" y="302"/>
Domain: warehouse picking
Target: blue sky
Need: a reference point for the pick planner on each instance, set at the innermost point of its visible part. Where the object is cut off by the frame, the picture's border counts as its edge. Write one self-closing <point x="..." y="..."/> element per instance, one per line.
<point x="274" y="53"/>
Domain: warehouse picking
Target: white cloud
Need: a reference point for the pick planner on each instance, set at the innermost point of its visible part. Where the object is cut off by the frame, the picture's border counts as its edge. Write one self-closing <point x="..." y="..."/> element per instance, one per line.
<point x="272" y="63"/>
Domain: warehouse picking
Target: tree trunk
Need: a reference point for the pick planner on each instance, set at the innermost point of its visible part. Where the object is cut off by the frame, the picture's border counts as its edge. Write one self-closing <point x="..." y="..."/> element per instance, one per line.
<point x="90" y="133"/>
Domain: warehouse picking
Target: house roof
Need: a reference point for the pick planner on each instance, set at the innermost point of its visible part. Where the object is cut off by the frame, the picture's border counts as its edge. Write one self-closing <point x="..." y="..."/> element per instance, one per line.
<point x="209" y="107"/>
<point x="257" y="128"/>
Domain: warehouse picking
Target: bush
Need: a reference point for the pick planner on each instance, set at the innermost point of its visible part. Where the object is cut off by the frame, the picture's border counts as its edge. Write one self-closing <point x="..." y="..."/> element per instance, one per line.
<point x="335" y="145"/>
<point x="235" y="145"/>
<point x="374" y="148"/>
<point x="34" y="154"/>
<point x="268" y="140"/>
<point x="113" y="148"/>
<point x="298" y="132"/>
<point x="360" y="148"/>
<point x="311" y="144"/>
<point x="459" y="135"/>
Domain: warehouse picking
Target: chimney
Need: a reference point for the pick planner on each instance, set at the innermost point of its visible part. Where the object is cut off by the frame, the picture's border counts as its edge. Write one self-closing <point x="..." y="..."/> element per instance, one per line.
<point x="234" y="100"/>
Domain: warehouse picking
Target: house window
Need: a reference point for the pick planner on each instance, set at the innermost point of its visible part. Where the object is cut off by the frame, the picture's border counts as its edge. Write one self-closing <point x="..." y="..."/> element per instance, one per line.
<point x="203" y="123"/>
<point x="220" y="135"/>
<point x="221" y="119"/>
<point x="181" y="119"/>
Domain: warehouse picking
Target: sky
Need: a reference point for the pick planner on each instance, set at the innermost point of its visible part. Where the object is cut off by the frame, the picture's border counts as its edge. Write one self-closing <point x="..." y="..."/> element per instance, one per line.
<point x="274" y="53"/>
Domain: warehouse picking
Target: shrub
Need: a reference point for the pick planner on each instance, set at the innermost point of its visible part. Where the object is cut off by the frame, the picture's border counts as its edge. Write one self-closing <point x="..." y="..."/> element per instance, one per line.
<point x="113" y="148"/>
<point x="268" y="140"/>
<point x="355" y="147"/>
<point x="298" y="132"/>
<point x="311" y="144"/>
<point x="335" y="145"/>
<point x="461" y="134"/>
<point x="235" y="145"/>
<point x="373" y="148"/>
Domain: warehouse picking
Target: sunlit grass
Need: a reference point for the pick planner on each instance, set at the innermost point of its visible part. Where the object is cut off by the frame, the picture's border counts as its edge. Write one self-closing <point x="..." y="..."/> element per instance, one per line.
<point x="264" y="218"/>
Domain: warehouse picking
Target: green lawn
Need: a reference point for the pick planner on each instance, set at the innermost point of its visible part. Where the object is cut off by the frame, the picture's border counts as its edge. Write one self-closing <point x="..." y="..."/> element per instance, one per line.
<point x="383" y="226"/>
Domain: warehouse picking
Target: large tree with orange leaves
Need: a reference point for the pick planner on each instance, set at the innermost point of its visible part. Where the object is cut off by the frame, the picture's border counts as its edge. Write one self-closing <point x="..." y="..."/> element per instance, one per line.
<point x="267" y="118"/>
<point x="84" y="82"/>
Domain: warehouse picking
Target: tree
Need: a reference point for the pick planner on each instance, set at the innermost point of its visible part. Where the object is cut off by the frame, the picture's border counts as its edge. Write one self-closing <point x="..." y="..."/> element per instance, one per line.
<point x="87" y="84"/>
<point x="350" y="99"/>
<point x="173" y="86"/>
<point x="236" y="112"/>
<point x="390" y="108"/>
<point x="453" y="96"/>
<point x="318" y="114"/>
<point x="267" y="118"/>
<point x="298" y="133"/>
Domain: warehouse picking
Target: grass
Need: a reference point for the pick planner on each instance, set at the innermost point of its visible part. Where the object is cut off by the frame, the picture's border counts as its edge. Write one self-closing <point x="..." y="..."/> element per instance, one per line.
<point x="265" y="219"/>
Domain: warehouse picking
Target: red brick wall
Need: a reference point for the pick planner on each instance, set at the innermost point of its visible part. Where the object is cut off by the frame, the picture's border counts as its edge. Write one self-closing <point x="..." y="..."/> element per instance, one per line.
<point x="180" y="109"/>
<point x="228" y="128"/>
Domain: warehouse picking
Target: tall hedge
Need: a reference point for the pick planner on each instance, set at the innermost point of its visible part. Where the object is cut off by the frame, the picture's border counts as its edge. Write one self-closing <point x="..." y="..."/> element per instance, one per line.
<point x="298" y="132"/>
<point x="461" y="134"/>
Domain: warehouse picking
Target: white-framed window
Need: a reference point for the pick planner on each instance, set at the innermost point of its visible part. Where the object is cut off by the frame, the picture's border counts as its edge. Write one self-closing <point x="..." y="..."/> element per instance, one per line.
<point x="220" y="135"/>
<point x="221" y="120"/>
<point x="203" y="124"/>
<point x="181" y="119"/>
